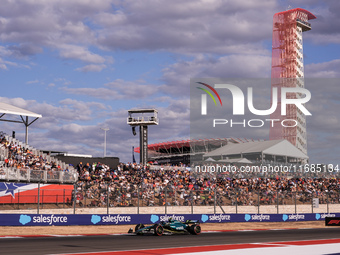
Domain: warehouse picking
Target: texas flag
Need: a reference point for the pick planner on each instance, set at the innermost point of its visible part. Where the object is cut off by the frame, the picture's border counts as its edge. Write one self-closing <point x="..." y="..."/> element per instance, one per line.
<point x="11" y="192"/>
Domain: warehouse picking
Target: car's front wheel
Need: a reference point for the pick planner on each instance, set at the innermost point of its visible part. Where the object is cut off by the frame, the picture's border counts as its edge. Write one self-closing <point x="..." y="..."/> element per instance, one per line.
<point x="138" y="227"/>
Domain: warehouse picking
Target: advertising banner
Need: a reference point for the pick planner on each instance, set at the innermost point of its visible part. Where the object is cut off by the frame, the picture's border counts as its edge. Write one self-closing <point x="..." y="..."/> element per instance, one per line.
<point x="125" y="219"/>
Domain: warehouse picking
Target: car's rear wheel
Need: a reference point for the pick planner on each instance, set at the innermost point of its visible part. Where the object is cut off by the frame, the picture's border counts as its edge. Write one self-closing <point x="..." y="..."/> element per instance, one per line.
<point x="158" y="230"/>
<point x="195" y="229"/>
<point x="138" y="227"/>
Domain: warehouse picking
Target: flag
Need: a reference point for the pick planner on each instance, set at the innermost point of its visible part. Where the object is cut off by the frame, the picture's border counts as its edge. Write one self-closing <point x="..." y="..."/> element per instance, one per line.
<point x="11" y="192"/>
<point x="133" y="155"/>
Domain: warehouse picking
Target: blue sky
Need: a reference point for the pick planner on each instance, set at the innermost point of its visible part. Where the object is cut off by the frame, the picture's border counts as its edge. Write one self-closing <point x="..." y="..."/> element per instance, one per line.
<point x="82" y="64"/>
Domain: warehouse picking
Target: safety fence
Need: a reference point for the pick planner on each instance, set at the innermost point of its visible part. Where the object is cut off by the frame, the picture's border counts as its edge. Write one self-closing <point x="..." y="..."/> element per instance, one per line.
<point x="138" y="199"/>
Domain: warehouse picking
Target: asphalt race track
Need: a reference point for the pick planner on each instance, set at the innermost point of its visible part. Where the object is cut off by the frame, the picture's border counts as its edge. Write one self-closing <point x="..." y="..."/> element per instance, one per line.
<point x="78" y="244"/>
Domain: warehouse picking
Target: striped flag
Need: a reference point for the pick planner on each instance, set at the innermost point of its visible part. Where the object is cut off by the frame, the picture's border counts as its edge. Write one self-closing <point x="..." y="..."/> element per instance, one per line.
<point x="11" y="192"/>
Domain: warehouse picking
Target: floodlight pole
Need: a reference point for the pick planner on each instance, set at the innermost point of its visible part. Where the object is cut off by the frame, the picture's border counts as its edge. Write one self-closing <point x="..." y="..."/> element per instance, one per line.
<point x="105" y="130"/>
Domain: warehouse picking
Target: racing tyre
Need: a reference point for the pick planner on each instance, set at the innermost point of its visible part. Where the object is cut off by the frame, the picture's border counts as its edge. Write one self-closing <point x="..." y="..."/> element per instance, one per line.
<point x="138" y="227"/>
<point x="158" y="230"/>
<point x="195" y="229"/>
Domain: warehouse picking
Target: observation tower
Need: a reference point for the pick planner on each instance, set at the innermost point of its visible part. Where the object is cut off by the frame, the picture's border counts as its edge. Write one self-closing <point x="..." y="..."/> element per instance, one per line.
<point x="288" y="71"/>
<point x="142" y="118"/>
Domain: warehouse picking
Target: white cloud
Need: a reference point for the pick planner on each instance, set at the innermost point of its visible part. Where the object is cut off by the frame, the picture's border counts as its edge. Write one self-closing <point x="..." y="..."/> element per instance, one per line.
<point x="81" y="53"/>
<point x="177" y="76"/>
<point x="330" y="69"/>
<point x="57" y="129"/>
<point x="188" y="27"/>
<point x="118" y="89"/>
<point x="91" y="68"/>
<point x="32" y="82"/>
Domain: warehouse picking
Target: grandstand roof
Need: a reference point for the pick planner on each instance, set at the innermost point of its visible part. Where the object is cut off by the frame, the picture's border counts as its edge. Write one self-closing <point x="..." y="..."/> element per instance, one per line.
<point x="187" y="143"/>
<point x="272" y="147"/>
<point x="10" y="109"/>
<point x="236" y="160"/>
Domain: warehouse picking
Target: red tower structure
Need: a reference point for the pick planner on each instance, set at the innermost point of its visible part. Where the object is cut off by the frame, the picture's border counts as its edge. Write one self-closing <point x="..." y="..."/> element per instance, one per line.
<point x="288" y="71"/>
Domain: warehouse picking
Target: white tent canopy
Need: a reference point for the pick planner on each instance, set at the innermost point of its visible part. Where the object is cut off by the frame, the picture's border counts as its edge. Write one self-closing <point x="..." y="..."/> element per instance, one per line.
<point x="24" y="115"/>
<point x="272" y="147"/>
<point x="236" y="160"/>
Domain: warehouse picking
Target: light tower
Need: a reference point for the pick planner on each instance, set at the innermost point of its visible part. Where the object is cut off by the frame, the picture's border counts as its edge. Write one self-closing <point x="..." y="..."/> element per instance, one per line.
<point x="142" y="118"/>
<point x="288" y="71"/>
<point x="105" y="130"/>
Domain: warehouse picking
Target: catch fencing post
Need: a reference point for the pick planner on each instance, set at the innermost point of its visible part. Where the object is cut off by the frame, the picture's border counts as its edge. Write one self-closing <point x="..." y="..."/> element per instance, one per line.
<point x="312" y="202"/>
<point x="236" y="202"/>
<point x="175" y="191"/>
<point x="295" y="201"/>
<point x="107" y="199"/>
<point x="137" y="200"/>
<point x="38" y="198"/>
<point x="192" y="203"/>
<point x="165" y="201"/>
<point x="74" y="197"/>
<point x="42" y="199"/>
<point x="327" y="196"/>
<point x="277" y="201"/>
<point x="215" y="201"/>
<point x="18" y="199"/>
<point x="258" y="202"/>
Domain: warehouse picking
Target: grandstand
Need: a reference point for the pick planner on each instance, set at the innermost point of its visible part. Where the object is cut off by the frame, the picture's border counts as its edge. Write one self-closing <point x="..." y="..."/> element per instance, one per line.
<point x="226" y="150"/>
<point x="20" y="162"/>
<point x="177" y="152"/>
<point x="273" y="151"/>
<point x="28" y="164"/>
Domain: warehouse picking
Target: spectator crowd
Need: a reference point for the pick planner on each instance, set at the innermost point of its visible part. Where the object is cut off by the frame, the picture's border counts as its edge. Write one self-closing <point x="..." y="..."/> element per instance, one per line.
<point x="130" y="184"/>
<point x="22" y="158"/>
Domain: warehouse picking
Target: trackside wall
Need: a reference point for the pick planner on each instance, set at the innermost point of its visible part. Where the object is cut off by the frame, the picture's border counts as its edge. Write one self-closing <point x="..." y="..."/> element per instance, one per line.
<point x="121" y="219"/>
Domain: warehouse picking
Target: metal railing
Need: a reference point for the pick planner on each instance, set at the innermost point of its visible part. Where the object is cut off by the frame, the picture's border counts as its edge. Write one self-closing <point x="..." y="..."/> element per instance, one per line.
<point x="11" y="174"/>
<point x="133" y="199"/>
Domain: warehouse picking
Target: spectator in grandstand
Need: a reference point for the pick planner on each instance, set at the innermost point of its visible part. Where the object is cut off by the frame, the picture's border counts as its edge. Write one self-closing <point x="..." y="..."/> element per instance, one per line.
<point x="179" y="187"/>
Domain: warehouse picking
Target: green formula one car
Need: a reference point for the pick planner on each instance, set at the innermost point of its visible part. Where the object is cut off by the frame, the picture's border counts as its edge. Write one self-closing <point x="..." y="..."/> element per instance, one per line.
<point x="171" y="227"/>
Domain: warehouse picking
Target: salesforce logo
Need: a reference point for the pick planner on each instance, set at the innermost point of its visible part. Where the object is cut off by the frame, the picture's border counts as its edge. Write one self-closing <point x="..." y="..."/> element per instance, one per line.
<point x="154" y="218"/>
<point x="95" y="219"/>
<point x="204" y="218"/>
<point x="24" y="219"/>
